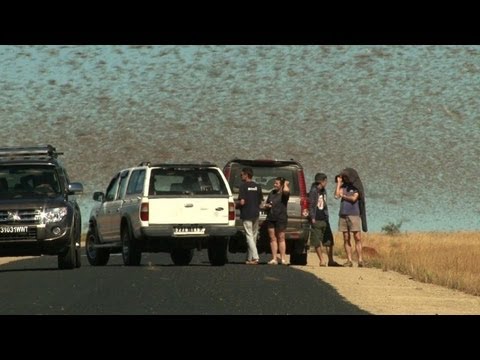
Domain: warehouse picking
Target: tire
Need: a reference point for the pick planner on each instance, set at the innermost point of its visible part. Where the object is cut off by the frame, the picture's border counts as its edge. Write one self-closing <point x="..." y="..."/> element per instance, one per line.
<point x="217" y="251"/>
<point x="298" y="259"/>
<point x="130" y="253"/>
<point x="181" y="257"/>
<point x="298" y="253"/>
<point x="68" y="259"/>
<point x="95" y="256"/>
<point x="78" y="257"/>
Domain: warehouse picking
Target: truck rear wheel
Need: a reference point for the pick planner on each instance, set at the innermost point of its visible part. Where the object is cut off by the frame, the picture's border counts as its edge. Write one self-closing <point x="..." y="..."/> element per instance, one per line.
<point x="217" y="251"/>
<point x="181" y="257"/>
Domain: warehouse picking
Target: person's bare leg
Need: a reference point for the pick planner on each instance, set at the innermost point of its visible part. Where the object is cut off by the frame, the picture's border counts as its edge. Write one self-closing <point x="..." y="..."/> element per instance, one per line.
<point x="347" y="245"/>
<point x="358" y="245"/>
<point x="318" y="250"/>
<point x="281" y="245"/>
<point x="273" y="243"/>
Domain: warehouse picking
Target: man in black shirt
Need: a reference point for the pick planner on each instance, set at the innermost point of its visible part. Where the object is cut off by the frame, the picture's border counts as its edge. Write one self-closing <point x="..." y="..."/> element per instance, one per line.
<point x="250" y="197"/>
<point x="321" y="233"/>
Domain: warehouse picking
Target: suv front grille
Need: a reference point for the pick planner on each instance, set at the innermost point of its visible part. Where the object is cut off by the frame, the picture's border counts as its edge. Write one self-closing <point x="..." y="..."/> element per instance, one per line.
<point x="23" y="216"/>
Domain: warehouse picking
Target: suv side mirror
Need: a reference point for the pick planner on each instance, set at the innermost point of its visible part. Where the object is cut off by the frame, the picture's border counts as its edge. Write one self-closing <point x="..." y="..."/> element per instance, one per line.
<point x="98" y="196"/>
<point x="75" y="188"/>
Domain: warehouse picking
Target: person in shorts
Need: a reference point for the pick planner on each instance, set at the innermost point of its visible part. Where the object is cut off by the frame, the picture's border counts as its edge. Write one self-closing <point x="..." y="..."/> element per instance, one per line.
<point x="276" y="206"/>
<point x="350" y="191"/>
<point x="321" y="233"/>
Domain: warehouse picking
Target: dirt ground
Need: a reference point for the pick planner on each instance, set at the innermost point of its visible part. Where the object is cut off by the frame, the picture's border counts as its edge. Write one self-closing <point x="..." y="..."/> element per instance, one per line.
<point x="390" y="293"/>
<point x="385" y="292"/>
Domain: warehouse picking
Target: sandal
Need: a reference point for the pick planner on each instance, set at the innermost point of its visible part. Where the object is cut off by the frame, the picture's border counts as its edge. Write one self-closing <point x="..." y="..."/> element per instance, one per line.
<point x="322" y="264"/>
<point x="273" y="262"/>
<point x="348" y="264"/>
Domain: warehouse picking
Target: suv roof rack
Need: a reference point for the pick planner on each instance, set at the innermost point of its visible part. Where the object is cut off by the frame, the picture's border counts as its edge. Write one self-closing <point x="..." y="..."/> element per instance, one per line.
<point x="265" y="161"/>
<point x="30" y="151"/>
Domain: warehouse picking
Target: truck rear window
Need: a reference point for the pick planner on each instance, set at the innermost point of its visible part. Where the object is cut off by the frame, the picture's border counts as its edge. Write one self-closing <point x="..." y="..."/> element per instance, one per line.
<point x="185" y="181"/>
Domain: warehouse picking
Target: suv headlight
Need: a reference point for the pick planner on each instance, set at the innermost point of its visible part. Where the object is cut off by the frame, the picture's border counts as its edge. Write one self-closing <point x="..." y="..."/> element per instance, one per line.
<point x="54" y="215"/>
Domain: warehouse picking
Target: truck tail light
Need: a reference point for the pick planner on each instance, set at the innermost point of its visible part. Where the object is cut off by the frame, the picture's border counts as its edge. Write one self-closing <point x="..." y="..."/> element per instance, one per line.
<point x="144" y="212"/>
<point x="231" y="211"/>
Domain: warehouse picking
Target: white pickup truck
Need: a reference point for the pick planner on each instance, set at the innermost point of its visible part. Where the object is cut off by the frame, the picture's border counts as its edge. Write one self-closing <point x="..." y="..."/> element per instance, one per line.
<point x="172" y="208"/>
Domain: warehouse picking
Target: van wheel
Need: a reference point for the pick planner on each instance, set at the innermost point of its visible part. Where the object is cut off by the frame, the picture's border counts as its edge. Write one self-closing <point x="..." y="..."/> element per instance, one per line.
<point x="217" y="251"/>
<point x="95" y="256"/>
<point x="298" y="253"/>
<point x="130" y="253"/>
<point x="181" y="257"/>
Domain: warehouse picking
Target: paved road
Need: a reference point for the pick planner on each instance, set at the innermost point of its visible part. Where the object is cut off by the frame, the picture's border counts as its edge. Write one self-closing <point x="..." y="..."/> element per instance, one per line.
<point x="35" y="286"/>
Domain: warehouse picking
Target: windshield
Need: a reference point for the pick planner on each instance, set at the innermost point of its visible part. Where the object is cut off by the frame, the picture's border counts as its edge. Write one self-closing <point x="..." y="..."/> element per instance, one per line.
<point x="28" y="181"/>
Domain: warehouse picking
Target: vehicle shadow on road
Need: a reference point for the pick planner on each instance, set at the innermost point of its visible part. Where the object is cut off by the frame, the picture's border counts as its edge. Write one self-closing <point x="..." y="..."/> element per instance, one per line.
<point x="29" y="269"/>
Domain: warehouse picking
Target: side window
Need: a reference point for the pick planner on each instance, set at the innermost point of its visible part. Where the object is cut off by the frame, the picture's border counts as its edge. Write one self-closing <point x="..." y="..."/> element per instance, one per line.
<point x="112" y="188"/>
<point x="64" y="178"/>
<point x="135" y="185"/>
<point x="123" y="184"/>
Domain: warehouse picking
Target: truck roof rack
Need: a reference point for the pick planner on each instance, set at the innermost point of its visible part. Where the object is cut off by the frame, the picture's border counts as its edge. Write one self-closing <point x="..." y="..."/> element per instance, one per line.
<point x="193" y="165"/>
<point x="43" y="151"/>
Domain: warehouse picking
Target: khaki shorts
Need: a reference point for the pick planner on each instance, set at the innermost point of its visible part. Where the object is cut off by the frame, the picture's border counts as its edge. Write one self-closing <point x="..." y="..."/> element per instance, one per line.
<point x="352" y="223"/>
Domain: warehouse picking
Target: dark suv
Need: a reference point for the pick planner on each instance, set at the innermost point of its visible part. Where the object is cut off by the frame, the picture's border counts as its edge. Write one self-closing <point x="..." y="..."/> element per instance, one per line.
<point x="264" y="173"/>
<point x="38" y="214"/>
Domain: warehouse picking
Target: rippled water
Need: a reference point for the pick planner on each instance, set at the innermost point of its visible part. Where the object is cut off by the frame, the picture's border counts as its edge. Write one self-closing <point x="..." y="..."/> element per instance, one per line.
<point x="406" y="117"/>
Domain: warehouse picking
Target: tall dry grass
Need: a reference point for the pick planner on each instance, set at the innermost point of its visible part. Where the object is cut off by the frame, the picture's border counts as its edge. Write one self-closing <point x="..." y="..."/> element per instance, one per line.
<point x="446" y="259"/>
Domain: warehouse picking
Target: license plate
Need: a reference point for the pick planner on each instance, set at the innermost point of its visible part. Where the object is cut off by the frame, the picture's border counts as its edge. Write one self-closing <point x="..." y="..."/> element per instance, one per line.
<point x="188" y="230"/>
<point x="5" y="229"/>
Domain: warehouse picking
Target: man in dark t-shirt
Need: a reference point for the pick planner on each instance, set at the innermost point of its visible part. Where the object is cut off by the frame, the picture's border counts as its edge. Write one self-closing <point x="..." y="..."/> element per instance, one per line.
<point x="250" y="197"/>
<point x="321" y="233"/>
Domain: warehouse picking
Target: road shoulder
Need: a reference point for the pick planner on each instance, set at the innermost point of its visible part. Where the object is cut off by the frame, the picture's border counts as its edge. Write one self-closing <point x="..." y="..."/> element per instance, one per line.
<point x="389" y="293"/>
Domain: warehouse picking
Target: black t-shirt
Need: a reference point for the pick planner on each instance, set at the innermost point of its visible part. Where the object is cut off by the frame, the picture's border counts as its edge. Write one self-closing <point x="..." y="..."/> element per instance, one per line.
<point x="321" y="210"/>
<point x="251" y="192"/>
<point x="279" y="202"/>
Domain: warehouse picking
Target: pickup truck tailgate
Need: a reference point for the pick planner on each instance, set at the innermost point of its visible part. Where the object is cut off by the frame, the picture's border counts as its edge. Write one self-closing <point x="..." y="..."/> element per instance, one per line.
<point x="188" y="210"/>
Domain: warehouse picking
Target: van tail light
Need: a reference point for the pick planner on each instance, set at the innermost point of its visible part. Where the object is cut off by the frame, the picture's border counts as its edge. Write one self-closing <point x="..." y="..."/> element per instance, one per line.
<point x="303" y="194"/>
<point x="231" y="211"/>
<point x="144" y="212"/>
<point x="226" y="172"/>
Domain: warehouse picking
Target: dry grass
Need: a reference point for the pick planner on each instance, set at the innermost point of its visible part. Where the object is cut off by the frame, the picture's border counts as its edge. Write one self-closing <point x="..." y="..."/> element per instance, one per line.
<point x="446" y="259"/>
